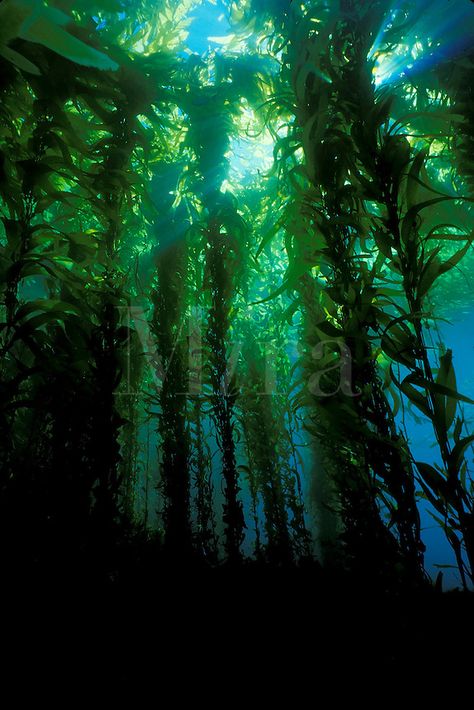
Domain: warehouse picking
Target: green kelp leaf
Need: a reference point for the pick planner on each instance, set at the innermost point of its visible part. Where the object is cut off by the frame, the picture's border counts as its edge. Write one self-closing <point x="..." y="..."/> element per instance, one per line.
<point x="384" y="242"/>
<point x="290" y="311"/>
<point x="19" y="61"/>
<point x="267" y="238"/>
<point x="413" y="173"/>
<point x="436" y="501"/>
<point x="429" y="272"/>
<point x="56" y="196"/>
<point x="398" y="341"/>
<point x="445" y="236"/>
<point x="409" y="220"/>
<point x="433" y="478"/>
<point x="395" y="153"/>
<point x="457" y="454"/>
<point x="43" y="30"/>
<point x="393" y="394"/>
<point x="329" y="329"/>
<point x="437" y="388"/>
<point x="399" y="347"/>
<point x="446" y="378"/>
<point x="434" y="268"/>
<point x="457" y="429"/>
<point x="417" y="398"/>
<point x="50" y="305"/>
<point x="455" y="543"/>
<point x="408" y="118"/>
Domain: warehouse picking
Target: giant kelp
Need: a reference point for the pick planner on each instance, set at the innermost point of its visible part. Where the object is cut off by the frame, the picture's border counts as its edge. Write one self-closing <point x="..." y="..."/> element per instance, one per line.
<point x="149" y="270"/>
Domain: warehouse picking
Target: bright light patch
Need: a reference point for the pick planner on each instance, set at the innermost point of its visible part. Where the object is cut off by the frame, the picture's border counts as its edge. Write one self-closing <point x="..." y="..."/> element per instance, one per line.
<point x="249" y="157"/>
<point x="436" y="35"/>
<point x="251" y="153"/>
<point x="222" y="40"/>
<point x="389" y="66"/>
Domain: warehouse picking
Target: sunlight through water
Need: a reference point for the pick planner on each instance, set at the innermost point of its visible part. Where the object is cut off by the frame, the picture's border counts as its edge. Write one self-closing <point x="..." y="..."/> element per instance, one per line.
<point x="450" y="32"/>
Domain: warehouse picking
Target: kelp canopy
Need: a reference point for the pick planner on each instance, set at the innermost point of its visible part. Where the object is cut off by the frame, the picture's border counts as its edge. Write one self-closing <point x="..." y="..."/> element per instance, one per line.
<point x="230" y="235"/>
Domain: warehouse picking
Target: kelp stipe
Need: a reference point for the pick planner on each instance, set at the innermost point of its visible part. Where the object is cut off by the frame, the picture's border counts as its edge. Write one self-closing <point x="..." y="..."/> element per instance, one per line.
<point x="332" y="211"/>
<point x="167" y="322"/>
<point x="220" y="260"/>
<point x="393" y="169"/>
<point x="262" y="443"/>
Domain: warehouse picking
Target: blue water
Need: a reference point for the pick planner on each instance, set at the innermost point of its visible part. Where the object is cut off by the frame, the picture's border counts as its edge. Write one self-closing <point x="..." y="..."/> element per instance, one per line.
<point x="210" y="19"/>
<point x="459" y="336"/>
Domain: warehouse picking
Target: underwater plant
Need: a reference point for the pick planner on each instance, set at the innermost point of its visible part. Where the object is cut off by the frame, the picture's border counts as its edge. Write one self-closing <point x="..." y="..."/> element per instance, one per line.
<point x="230" y="235"/>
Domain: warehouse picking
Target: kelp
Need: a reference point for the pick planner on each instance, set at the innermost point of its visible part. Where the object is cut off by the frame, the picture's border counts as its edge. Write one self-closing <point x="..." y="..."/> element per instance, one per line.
<point x="261" y="434"/>
<point x="221" y="255"/>
<point x="168" y="299"/>
<point x="358" y="408"/>
<point x="142" y="283"/>
<point x="380" y="168"/>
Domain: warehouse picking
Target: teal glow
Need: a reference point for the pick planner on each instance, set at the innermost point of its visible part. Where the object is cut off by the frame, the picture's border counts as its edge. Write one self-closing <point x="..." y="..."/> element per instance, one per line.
<point x="439" y="31"/>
